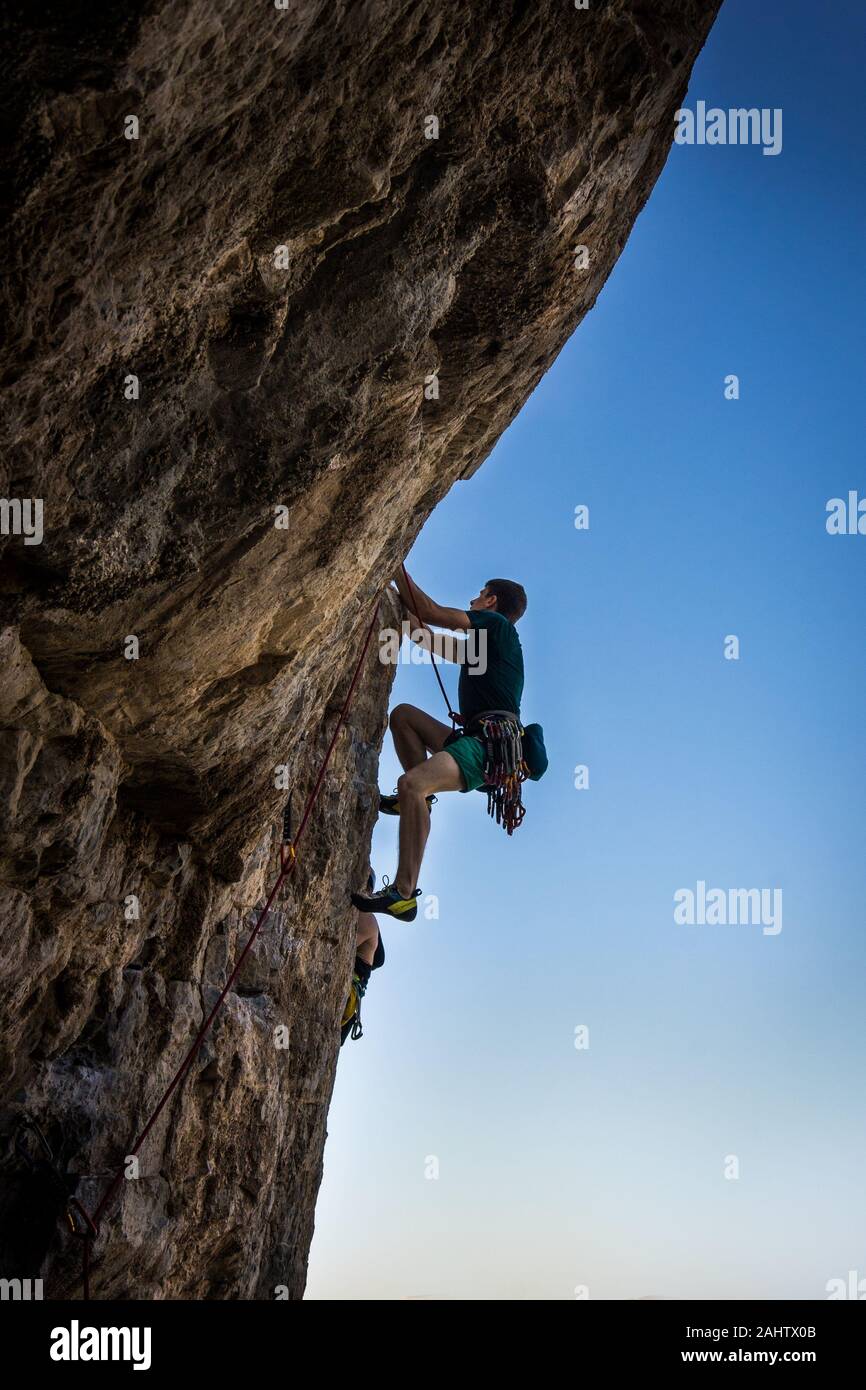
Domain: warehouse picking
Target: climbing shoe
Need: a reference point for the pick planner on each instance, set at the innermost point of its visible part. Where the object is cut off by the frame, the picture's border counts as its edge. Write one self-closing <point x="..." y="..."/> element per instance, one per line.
<point x="390" y="901"/>
<point x="350" y="1023"/>
<point x="390" y="805"/>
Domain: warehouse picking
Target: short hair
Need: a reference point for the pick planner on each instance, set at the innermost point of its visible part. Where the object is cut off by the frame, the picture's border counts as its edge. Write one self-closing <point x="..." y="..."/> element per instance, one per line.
<point x="510" y="598"/>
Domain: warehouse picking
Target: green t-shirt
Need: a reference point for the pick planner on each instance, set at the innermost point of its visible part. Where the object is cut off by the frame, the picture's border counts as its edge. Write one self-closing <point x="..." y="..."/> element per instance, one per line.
<point x="501" y="684"/>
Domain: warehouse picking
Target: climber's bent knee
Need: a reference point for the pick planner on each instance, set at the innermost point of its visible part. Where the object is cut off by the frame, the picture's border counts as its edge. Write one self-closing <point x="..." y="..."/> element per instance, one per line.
<point x="440" y="773"/>
<point x="432" y="732"/>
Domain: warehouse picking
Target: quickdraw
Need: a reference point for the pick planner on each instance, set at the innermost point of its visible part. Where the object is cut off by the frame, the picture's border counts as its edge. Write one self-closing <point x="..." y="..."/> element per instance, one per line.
<point x="505" y="769"/>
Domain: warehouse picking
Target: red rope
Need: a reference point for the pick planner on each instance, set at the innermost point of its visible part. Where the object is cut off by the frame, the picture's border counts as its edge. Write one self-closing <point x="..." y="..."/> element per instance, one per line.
<point x="455" y="718"/>
<point x="285" y="872"/>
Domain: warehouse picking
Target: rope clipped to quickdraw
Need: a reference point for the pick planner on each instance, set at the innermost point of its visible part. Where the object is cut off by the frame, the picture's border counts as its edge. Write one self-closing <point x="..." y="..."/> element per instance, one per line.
<point x="452" y="714"/>
<point x="288" y="864"/>
<point x="505" y="769"/>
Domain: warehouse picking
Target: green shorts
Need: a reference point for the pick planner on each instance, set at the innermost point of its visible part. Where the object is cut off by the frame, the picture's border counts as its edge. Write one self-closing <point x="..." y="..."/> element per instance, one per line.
<point x="468" y="754"/>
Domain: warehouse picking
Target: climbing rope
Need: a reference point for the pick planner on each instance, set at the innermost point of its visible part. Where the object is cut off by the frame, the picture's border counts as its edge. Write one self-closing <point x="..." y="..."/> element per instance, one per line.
<point x="452" y="715"/>
<point x="91" y="1228"/>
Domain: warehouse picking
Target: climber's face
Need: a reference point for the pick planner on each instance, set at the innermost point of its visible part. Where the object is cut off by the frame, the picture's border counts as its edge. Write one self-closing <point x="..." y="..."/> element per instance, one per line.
<point x="483" y="601"/>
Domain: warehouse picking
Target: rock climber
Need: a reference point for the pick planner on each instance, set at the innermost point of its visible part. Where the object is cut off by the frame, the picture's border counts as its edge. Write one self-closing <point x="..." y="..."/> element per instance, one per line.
<point x="491" y="750"/>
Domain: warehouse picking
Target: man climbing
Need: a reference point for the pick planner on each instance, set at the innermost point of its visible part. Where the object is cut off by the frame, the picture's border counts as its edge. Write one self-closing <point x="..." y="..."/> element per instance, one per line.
<point x="486" y="752"/>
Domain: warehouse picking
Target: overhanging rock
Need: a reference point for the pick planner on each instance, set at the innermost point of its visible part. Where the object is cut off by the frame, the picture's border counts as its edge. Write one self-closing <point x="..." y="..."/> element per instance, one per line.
<point x="333" y="261"/>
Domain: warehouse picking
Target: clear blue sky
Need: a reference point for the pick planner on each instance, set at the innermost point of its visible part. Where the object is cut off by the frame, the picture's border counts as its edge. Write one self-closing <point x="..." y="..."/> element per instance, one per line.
<point x="605" y="1167"/>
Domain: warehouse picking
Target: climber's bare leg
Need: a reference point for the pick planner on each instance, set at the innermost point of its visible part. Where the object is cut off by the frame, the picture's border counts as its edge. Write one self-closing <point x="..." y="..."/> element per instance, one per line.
<point x="367" y="937"/>
<point x="415" y="733"/>
<point x="437" y="774"/>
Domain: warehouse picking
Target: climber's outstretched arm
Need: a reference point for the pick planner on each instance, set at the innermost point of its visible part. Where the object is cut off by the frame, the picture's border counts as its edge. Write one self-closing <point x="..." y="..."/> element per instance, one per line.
<point x="440" y="644"/>
<point x="429" y="611"/>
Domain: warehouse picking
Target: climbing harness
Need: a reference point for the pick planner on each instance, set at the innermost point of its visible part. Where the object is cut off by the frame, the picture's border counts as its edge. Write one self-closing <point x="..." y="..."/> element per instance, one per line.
<point x="288" y="863"/>
<point x="350" y="1024"/>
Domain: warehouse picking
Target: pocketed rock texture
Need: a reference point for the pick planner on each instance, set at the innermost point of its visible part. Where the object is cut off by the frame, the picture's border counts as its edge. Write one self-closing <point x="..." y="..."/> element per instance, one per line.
<point x="242" y="310"/>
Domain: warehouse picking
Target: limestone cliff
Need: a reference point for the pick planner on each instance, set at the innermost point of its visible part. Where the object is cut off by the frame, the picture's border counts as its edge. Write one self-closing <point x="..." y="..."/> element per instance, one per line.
<point x="311" y="258"/>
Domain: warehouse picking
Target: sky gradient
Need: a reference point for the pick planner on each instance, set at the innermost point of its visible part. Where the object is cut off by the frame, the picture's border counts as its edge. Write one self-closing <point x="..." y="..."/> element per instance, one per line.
<point x="604" y="1168"/>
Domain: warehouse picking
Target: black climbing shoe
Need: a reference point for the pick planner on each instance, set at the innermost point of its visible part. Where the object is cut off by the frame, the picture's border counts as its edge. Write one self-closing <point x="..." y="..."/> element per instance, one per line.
<point x="390" y="901"/>
<point x="390" y="805"/>
<point x="350" y="1023"/>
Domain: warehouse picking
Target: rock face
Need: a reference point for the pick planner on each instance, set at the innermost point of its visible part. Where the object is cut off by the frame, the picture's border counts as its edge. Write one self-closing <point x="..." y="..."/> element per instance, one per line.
<point x="236" y="319"/>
